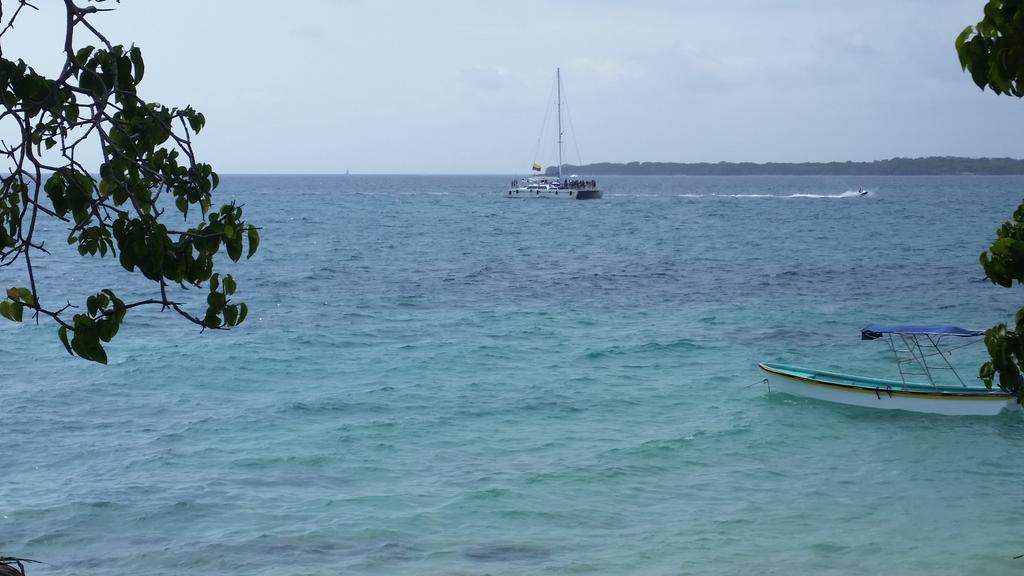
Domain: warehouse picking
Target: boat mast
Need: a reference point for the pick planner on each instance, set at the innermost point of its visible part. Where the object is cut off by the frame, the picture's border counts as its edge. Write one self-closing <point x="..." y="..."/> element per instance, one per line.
<point x="558" y="77"/>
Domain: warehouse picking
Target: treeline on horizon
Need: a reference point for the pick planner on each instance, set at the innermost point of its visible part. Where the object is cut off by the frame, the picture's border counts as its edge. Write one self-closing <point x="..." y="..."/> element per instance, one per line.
<point x="932" y="165"/>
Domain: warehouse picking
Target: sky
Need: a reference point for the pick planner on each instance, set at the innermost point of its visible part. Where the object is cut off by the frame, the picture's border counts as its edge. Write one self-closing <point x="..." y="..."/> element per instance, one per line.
<point x="453" y="87"/>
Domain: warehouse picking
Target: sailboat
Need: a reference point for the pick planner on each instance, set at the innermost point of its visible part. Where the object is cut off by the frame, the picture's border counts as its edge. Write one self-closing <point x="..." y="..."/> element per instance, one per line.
<point x="570" y="187"/>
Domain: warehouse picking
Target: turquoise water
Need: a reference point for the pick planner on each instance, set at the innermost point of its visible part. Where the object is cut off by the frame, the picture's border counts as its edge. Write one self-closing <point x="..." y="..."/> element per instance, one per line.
<point x="438" y="380"/>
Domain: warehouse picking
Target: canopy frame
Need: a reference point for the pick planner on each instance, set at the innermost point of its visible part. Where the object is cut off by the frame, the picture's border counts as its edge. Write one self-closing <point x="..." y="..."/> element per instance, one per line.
<point x="913" y="345"/>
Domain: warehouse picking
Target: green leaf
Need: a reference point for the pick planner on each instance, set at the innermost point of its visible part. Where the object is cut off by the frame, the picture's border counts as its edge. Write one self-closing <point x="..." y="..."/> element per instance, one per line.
<point x="231" y="315"/>
<point x="86" y="343"/>
<point x="76" y="345"/>
<point x="963" y="38"/>
<point x="124" y="73"/>
<point x="234" y="249"/>
<point x="212" y="320"/>
<point x="106" y="330"/>
<point x="97" y="353"/>
<point x="82" y="56"/>
<point x="12" y="310"/>
<point x="254" y="240"/>
<point x="63" y="334"/>
<point x="87" y="82"/>
<point x="25" y="295"/>
<point x="137" y="63"/>
<point x="216" y="301"/>
<point x="244" y="312"/>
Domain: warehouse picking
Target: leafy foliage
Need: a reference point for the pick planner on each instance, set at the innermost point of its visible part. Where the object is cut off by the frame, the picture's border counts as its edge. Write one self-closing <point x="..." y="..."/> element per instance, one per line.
<point x="993" y="52"/>
<point x="1004" y="263"/>
<point x="147" y="156"/>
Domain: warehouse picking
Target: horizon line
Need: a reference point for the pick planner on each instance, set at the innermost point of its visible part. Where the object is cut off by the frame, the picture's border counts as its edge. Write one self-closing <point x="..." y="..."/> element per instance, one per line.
<point x="348" y="172"/>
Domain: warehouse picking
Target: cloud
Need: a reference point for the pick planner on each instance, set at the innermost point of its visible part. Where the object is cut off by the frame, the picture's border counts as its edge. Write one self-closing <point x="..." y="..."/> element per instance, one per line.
<point x="376" y="83"/>
<point x="603" y="68"/>
<point x="487" y="78"/>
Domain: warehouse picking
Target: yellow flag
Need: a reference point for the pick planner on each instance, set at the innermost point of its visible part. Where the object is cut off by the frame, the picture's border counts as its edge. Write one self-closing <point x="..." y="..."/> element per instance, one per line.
<point x="536" y="167"/>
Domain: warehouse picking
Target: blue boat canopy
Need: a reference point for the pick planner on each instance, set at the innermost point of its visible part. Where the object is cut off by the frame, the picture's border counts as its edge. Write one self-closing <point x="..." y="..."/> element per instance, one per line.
<point x="876" y="331"/>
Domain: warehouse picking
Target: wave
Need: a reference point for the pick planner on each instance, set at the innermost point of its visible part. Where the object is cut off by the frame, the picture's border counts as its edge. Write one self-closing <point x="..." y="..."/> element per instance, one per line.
<point x="674" y="346"/>
<point x="847" y="194"/>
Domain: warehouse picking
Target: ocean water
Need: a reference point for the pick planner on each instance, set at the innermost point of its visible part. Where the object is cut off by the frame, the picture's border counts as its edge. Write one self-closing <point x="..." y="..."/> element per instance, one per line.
<point x="437" y="380"/>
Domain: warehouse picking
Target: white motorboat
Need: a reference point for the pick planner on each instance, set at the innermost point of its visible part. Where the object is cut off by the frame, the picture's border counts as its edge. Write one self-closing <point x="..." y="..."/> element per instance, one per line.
<point x="912" y="346"/>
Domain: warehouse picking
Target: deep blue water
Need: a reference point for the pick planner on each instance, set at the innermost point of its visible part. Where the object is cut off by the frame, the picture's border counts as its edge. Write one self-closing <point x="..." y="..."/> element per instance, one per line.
<point x="438" y="380"/>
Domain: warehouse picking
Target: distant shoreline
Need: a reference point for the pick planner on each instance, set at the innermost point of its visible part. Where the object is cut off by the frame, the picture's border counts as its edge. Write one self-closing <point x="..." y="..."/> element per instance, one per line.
<point x="929" y="166"/>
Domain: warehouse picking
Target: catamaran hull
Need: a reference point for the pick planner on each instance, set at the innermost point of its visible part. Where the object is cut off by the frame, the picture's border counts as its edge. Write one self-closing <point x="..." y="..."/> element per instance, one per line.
<point x="560" y="194"/>
<point x="876" y="394"/>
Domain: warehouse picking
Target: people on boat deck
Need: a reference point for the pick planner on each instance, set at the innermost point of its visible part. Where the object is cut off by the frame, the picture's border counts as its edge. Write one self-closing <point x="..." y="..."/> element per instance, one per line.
<point x="576" y="184"/>
<point x="566" y="184"/>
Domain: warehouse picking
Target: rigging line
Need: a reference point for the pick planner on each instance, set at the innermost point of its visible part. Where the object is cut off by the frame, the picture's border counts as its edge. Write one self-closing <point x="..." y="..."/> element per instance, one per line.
<point x="761" y="381"/>
<point x="957" y="347"/>
<point x="550" y="154"/>
<point x="544" y="124"/>
<point x="572" y="129"/>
